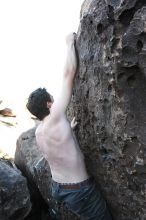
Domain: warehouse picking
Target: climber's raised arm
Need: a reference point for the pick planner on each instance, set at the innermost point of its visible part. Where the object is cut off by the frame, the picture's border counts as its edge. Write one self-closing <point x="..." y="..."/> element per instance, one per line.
<point x="60" y="105"/>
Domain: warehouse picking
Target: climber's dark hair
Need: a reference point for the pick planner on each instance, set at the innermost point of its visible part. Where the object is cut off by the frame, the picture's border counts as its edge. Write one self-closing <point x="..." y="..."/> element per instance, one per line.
<point x="37" y="103"/>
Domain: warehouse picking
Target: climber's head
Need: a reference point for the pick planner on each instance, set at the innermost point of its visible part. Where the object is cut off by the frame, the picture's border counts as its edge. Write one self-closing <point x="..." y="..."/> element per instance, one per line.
<point x="39" y="103"/>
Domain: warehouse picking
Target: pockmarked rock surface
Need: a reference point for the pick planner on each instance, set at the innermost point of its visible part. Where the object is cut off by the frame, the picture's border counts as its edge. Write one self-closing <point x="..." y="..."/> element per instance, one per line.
<point x="109" y="101"/>
<point x="14" y="194"/>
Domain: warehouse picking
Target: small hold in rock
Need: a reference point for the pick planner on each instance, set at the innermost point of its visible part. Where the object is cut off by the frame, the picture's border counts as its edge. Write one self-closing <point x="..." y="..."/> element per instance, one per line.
<point x="139" y="45"/>
<point x="100" y="28"/>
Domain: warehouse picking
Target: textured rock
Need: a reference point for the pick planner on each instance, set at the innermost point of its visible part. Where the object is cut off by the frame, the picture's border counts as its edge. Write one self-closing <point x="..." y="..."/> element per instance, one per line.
<point x="14" y="195"/>
<point x="109" y="101"/>
<point x="30" y="161"/>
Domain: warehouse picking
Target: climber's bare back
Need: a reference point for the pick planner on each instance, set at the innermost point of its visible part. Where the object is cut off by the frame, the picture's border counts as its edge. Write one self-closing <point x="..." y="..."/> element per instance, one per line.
<point x="55" y="136"/>
<point x="60" y="148"/>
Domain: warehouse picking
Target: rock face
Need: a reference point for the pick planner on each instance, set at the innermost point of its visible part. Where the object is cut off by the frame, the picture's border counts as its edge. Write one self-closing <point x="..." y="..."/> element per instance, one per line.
<point x="109" y="101"/>
<point x="14" y="195"/>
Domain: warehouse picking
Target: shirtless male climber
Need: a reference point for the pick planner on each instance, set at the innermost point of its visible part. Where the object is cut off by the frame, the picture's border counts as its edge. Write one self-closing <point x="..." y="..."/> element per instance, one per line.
<point x="71" y="183"/>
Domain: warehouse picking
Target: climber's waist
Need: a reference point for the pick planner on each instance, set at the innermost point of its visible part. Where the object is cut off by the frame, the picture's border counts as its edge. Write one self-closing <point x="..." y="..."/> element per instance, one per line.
<point x="74" y="185"/>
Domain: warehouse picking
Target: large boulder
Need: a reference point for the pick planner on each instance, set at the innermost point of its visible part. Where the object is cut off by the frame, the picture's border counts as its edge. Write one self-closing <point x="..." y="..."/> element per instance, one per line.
<point x="31" y="162"/>
<point x="14" y="194"/>
<point x="35" y="168"/>
<point x="109" y="101"/>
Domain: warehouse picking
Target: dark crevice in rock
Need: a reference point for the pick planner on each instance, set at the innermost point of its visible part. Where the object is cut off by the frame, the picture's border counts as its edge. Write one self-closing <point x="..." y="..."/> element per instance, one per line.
<point x="127" y="15"/>
<point x="131" y="80"/>
<point x="91" y="22"/>
<point x="111" y="14"/>
<point x="100" y="28"/>
<point x="139" y="46"/>
<point x="121" y="75"/>
<point x="109" y="88"/>
<point x="18" y="213"/>
<point x="128" y="73"/>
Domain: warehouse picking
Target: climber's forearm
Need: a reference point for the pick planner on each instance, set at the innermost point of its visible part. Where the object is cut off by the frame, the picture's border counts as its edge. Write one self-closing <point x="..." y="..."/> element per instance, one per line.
<point x="71" y="59"/>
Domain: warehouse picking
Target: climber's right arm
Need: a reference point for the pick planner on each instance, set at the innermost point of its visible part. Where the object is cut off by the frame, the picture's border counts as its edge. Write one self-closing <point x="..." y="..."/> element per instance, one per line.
<point x="60" y="105"/>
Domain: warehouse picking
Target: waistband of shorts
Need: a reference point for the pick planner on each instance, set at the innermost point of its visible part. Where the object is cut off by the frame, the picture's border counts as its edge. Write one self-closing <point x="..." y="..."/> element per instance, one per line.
<point x="74" y="185"/>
